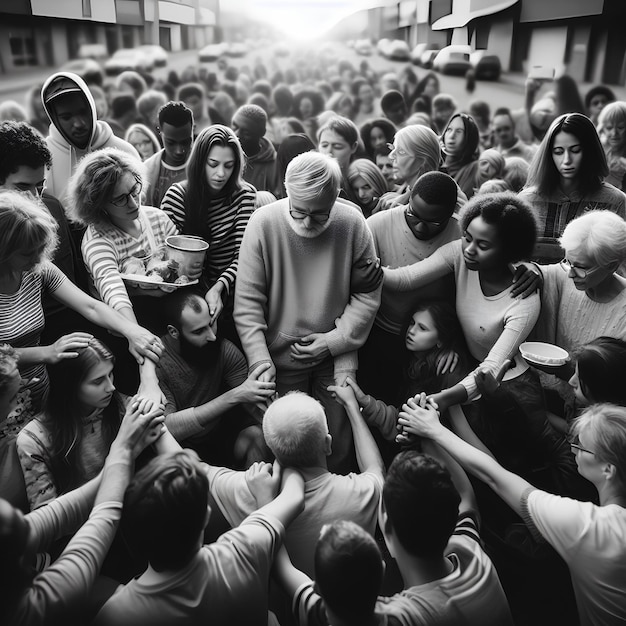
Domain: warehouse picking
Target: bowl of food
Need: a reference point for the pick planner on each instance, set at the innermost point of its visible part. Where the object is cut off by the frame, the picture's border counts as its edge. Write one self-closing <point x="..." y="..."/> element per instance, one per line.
<point x="540" y="353"/>
<point x="189" y="252"/>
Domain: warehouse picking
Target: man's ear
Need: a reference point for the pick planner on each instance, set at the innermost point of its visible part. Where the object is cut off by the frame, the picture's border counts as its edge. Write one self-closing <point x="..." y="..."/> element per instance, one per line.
<point x="173" y="332"/>
<point x="329" y="445"/>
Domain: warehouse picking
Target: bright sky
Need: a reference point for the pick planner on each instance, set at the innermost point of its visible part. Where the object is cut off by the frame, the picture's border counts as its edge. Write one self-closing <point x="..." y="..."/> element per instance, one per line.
<point x="300" y="19"/>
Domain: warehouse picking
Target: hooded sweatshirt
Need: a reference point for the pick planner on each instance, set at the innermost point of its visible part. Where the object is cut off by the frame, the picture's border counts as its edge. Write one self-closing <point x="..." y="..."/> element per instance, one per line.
<point x="65" y="154"/>
<point x="261" y="170"/>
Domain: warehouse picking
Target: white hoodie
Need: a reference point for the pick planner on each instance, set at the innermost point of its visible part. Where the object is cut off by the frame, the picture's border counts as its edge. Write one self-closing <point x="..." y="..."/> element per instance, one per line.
<point x="66" y="155"/>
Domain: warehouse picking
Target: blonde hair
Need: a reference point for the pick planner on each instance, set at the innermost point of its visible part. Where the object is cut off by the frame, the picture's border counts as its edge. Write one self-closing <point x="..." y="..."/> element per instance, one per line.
<point x="422" y="143"/>
<point x="25" y="226"/>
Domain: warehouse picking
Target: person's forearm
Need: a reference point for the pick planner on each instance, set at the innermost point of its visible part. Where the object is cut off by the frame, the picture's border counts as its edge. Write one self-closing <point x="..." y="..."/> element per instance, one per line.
<point x="166" y="443"/>
<point x="32" y="355"/>
<point x="288" y="504"/>
<point x="507" y="485"/>
<point x="367" y="453"/>
<point x="116" y="475"/>
<point x="449" y="397"/>
<point x="121" y="321"/>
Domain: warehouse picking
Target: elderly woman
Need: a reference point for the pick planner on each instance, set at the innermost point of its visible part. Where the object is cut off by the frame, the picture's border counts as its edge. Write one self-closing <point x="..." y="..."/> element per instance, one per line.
<point x="122" y="235"/>
<point x="583" y="296"/>
<point x="368" y="184"/>
<point x="27" y="239"/>
<point x="589" y="537"/>
<point x="566" y="179"/>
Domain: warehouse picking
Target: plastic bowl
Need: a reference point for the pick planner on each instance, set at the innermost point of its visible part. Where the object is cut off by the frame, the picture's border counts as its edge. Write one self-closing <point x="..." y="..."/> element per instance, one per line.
<point x="543" y="353"/>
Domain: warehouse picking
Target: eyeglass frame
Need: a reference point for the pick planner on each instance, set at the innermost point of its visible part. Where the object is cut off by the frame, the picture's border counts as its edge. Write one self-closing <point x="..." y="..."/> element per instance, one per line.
<point x="312" y="216"/>
<point x="567" y="266"/>
<point x="573" y="443"/>
<point x="410" y="211"/>
<point x="134" y="192"/>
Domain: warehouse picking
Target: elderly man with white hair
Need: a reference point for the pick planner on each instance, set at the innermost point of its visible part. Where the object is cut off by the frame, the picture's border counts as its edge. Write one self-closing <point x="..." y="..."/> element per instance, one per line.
<point x="308" y="288"/>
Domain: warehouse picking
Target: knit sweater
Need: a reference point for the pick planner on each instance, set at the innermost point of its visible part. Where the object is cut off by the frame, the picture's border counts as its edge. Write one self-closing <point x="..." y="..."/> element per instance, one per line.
<point x="494" y="326"/>
<point x="226" y="220"/>
<point x="289" y="286"/>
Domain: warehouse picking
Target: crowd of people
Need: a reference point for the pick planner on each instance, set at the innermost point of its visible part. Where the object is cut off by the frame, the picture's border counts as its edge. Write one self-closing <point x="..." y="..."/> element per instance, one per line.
<point x="329" y="420"/>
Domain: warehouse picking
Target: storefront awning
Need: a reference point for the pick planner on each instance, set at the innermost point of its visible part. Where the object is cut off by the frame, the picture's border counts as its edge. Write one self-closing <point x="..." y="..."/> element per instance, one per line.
<point x="462" y="17"/>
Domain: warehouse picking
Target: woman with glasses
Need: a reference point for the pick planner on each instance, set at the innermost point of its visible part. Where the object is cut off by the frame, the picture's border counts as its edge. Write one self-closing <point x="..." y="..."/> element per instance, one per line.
<point x="27" y="238"/>
<point x="566" y="179"/>
<point x="498" y="231"/>
<point x="589" y="537"/>
<point x="214" y="203"/>
<point x="415" y="151"/>
<point x="583" y="296"/>
<point x="460" y="145"/>
<point x="121" y="235"/>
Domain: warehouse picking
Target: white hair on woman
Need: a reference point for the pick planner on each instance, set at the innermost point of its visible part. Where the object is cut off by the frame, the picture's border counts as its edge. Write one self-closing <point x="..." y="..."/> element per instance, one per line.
<point x="313" y="176"/>
<point x="598" y="235"/>
<point x="422" y="143"/>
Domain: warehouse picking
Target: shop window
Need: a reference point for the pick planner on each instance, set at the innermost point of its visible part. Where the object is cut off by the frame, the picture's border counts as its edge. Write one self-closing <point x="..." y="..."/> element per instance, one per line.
<point x="23" y="50"/>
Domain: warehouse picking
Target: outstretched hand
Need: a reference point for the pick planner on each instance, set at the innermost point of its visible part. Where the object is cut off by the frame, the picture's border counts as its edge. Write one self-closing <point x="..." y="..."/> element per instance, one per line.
<point x="344" y="395"/>
<point x="65" y="347"/>
<point x="419" y="417"/>
<point x="138" y="429"/>
<point x="527" y="279"/>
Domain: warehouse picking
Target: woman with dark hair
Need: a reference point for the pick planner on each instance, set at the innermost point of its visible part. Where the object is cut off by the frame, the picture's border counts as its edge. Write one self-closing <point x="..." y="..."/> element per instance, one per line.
<point x="66" y="446"/>
<point x="596" y="99"/>
<point x="566" y="176"/>
<point x="376" y="133"/>
<point x="308" y="103"/>
<point x="428" y="86"/>
<point x="291" y="146"/>
<point x="339" y="138"/>
<point x="460" y="139"/>
<point x="214" y="203"/>
<point x="498" y="230"/>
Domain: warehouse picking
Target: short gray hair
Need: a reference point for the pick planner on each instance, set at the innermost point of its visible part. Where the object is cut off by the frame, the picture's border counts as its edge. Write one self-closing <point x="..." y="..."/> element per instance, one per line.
<point x="599" y="235"/>
<point x="313" y="176"/>
<point x="91" y="187"/>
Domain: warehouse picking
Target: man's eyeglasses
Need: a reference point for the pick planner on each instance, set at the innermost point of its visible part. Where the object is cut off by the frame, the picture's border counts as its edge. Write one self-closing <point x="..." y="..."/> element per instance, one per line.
<point x="318" y="218"/>
<point x="123" y="200"/>
<point x="581" y="272"/>
<point x="398" y="151"/>
<point x="416" y="219"/>
<point x="575" y="444"/>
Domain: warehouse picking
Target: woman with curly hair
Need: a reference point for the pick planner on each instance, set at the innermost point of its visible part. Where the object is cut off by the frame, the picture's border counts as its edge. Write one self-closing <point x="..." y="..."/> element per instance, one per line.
<point x="214" y="203"/>
<point x="376" y="133"/>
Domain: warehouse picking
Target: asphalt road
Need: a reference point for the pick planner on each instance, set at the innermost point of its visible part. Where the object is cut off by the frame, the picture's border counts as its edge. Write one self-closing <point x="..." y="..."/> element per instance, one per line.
<point x="507" y="92"/>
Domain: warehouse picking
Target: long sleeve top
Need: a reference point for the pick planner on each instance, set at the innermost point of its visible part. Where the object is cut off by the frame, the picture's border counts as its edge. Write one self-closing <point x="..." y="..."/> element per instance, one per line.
<point x="494" y="326"/>
<point x="226" y="221"/>
<point x="289" y="286"/>
<point x="106" y="249"/>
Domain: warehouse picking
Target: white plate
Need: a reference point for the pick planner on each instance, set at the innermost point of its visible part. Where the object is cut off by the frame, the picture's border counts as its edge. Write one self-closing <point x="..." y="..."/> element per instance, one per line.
<point x="147" y="282"/>
<point x="546" y="354"/>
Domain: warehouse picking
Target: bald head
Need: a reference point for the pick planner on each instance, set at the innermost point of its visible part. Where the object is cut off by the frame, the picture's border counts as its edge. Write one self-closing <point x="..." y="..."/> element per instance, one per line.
<point x="296" y="430"/>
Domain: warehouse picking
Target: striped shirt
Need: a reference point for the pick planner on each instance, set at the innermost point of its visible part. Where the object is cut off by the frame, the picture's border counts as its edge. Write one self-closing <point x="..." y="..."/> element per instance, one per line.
<point x="106" y="249"/>
<point x="226" y="223"/>
<point x="22" y="321"/>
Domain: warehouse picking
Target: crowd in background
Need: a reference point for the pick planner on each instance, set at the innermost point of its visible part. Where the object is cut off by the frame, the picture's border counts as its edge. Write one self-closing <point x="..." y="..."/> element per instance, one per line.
<point x="338" y="385"/>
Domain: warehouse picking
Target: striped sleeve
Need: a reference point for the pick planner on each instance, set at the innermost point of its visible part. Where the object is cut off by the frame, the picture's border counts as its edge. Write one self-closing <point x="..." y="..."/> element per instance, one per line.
<point x="226" y="253"/>
<point x="101" y="258"/>
<point x="173" y="204"/>
<point x="162" y="226"/>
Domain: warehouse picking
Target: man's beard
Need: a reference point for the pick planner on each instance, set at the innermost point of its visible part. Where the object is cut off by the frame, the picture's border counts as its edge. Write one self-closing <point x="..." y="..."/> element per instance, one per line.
<point x="199" y="357"/>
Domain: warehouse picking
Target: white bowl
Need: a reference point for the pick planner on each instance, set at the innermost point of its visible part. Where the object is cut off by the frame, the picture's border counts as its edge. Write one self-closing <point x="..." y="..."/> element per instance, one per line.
<point x="543" y="353"/>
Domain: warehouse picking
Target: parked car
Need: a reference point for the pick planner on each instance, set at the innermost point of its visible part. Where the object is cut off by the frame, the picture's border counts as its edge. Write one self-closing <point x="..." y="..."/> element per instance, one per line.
<point x="363" y="47"/>
<point x="237" y="49"/>
<point x="418" y="51"/>
<point x="212" y="52"/>
<point x="88" y="69"/>
<point x="96" y="51"/>
<point x="398" y="50"/>
<point x="426" y="60"/>
<point x="485" y="65"/>
<point x="128" y="59"/>
<point x="453" y="59"/>
<point x="157" y="54"/>
<point x="382" y="46"/>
